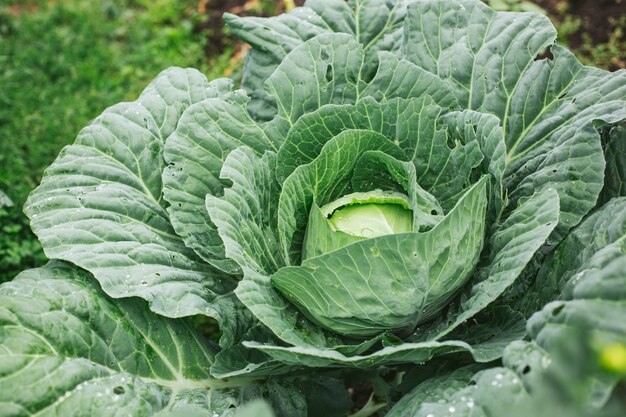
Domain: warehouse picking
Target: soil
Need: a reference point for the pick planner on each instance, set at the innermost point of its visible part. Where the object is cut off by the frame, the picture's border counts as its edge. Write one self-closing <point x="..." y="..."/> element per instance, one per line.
<point x="215" y="9"/>
<point x="598" y="16"/>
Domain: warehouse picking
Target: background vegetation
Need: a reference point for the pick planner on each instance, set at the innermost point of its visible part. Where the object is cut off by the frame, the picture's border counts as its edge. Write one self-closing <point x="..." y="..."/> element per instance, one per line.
<point x="63" y="62"/>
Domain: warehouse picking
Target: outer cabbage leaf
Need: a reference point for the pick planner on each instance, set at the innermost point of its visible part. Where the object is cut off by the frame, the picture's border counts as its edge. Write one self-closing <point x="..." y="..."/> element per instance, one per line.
<point x="375" y="24"/>
<point x="247" y="213"/>
<point x="604" y="227"/>
<point x="549" y="108"/>
<point x="480" y="53"/>
<point x="531" y="384"/>
<point x="554" y="142"/>
<point x="255" y="409"/>
<point x="487" y="345"/>
<point x="477" y="397"/>
<point x="597" y="297"/>
<point x="432" y="390"/>
<point x="410" y="123"/>
<point x="100" y="207"/>
<point x="328" y="69"/>
<point x="468" y="126"/>
<point x="67" y="349"/>
<point x="195" y="152"/>
<point x="614" y="143"/>
<point x="511" y="248"/>
<point x="592" y="288"/>
<point x="592" y="284"/>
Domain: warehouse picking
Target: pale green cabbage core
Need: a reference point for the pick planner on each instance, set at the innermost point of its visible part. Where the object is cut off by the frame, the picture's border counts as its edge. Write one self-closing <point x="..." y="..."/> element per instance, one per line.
<point x="370" y="215"/>
<point x="355" y="217"/>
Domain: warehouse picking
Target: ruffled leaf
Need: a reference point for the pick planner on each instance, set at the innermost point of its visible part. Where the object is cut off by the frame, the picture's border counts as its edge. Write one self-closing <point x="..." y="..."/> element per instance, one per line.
<point x="376" y="25"/>
<point x="100" y="207"/>
<point x="67" y="349"/>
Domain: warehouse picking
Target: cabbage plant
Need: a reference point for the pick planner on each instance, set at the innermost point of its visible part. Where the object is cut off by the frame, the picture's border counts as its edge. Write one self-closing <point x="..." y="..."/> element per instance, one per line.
<point x="414" y="188"/>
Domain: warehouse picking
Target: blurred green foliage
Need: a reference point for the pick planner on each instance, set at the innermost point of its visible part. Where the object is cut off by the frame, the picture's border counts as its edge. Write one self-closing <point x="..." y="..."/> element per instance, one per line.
<point x="574" y="377"/>
<point x="515" y="6"/>
<point x="15" y="250"/>
<point x="61" y="64"/>
<point x="608" y="50"/>
<point x="610" y="54"/>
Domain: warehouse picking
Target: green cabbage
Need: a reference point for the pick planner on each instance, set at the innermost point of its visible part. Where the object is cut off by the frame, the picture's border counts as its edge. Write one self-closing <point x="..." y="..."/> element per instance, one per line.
<point x="398" y="188"/>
